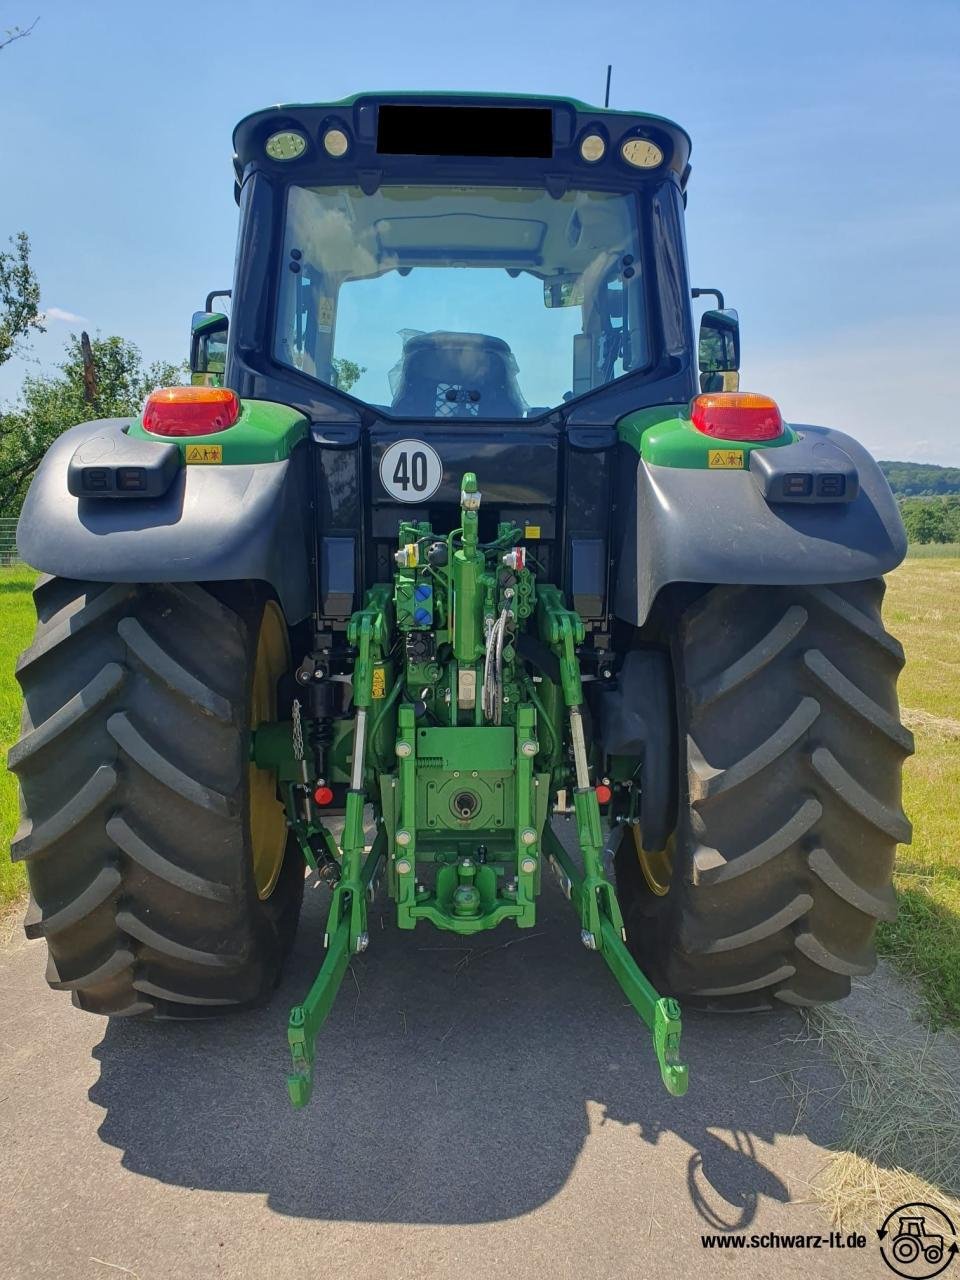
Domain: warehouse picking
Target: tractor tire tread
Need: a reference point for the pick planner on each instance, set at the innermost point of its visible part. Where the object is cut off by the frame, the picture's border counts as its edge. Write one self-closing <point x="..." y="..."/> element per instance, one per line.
<point x="152" y="760"/>
<point x="150" y="859"/>
<point x="175" y="676"/>
<point x="790" y="800"/>
<point x="116" y="962"/>
<point x="104" y="884"/>
<point x="752" y="662"/>
<point x="132" y="763"/>
<point x="83" y="704"/>
<point x="34" y="840"/>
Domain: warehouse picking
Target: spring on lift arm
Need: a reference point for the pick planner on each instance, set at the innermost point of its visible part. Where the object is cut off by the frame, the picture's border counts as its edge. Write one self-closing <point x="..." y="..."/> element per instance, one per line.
<point x="321" y="736"/>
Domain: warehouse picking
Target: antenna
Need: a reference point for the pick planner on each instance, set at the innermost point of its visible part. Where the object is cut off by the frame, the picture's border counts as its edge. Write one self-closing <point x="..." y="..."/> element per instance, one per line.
<point x="606" y="96"/>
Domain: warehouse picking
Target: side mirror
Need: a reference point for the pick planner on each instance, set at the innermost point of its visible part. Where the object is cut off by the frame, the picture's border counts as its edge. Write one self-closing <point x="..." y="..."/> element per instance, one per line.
<point x="719" y="350"/>
<point x="208" y="348"/>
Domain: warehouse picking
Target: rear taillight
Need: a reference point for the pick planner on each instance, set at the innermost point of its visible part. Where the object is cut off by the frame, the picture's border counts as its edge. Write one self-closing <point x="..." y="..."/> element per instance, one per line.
<point x="737" y="415"/>
<point x="190" y="411"/>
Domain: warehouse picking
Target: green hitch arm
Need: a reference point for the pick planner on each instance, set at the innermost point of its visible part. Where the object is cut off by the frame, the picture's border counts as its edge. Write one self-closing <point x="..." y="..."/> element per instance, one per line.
<point x="660" y="1014"/>
<point x="592" y="893"/>
<point x="307" y="1018"/>
<point x="347" y="921"/>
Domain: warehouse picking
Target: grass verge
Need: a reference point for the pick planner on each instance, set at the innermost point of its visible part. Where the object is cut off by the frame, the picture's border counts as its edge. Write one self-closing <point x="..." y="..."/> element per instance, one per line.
<point x="923" y="611"/>
<point x="932" y="550"/>
<point x="901" y="1118"/>
<point x="16" y="628"/>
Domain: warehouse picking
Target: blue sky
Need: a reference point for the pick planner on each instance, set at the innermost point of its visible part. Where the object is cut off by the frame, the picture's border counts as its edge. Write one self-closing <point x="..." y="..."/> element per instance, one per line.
<point x="825" y="198"/>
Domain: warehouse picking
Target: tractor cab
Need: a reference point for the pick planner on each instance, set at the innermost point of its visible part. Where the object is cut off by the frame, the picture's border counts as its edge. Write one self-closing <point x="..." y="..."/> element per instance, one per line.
<point x="442" y="283"/>
<point x="438" y="258"/>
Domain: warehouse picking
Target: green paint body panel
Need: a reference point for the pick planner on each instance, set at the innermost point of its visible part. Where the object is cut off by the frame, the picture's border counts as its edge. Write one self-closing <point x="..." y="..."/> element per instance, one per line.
<point x="665" y="436"/>
<point x="264" y="432"/>
<point x="489" y="748"/>
<point x="212" y="321"/>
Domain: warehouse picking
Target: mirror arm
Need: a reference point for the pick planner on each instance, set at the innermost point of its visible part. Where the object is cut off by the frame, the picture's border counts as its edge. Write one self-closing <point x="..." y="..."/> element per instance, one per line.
<point x="699" y="293"/>
<point x="222" y="293"/>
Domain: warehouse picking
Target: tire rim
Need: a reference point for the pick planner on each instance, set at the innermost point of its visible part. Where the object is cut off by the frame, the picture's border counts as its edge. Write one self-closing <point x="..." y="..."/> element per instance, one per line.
<point x="657" y="866"/>
<point x="268" y="821"/>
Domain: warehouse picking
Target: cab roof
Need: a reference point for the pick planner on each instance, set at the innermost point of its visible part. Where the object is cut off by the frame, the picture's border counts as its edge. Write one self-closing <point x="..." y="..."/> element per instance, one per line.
<point x="524" y="133"/>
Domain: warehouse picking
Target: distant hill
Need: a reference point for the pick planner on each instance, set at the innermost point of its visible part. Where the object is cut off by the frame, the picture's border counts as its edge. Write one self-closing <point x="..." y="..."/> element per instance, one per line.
<point x="921" y="479"/>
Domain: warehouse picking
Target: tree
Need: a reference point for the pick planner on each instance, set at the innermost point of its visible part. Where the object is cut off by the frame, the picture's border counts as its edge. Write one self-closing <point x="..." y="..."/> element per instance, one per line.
<point x="16" y="33"/>
<point x="19" y="291"/>
<point x="50" y="404"/>
<point x="931" y="519"/>
<point x="920" y="479"/>
<point x="346" y="372"/>
<point x="19" y="296"/>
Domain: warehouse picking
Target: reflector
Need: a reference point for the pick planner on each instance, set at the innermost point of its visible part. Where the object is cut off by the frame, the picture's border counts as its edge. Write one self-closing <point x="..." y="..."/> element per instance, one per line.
<point x="190" y="411"/>
<point x="737" y="415"/>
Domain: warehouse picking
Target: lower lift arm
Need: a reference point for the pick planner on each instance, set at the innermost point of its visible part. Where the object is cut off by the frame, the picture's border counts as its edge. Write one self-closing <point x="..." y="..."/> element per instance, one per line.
<point x="661" y="1014"/>
<point x="347" y="922"/>
<point x="592" y="893"/>
<point x="307" y="1018"/>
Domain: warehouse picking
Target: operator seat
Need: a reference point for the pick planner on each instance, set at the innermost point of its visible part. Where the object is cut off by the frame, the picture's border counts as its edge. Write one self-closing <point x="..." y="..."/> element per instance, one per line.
<point x="457" y="375"/>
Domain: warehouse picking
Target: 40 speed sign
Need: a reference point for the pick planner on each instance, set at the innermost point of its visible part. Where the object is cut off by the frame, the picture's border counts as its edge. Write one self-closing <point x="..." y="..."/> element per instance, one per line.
<point x="411" y="471"/>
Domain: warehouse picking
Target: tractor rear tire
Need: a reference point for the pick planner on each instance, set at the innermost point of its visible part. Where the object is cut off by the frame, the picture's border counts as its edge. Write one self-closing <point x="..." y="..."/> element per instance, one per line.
<point x="138" y="797"/>
<point x="789" y="813"/>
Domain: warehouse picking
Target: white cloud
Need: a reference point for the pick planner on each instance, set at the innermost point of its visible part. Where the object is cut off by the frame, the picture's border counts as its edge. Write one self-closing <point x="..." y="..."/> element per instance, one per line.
<point x="892" y="386"/>
<point x="68" y="317"/>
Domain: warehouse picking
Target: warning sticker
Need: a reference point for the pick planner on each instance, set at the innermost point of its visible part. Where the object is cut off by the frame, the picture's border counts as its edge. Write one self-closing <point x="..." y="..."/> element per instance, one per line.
<point x="379" y="682"/>
<point x="725" y="459"/>
<point x="325" y="314"/>
<point x="204" y="453"/>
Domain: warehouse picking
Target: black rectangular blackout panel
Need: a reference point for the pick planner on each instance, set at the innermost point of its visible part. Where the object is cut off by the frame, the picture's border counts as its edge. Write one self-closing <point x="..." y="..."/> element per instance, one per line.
<point x="465" y="131"/>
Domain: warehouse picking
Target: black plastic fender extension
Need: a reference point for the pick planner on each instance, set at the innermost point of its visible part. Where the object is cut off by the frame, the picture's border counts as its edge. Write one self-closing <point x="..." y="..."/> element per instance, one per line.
<point x="212" y="524"/>
<point x="685" y="525"/>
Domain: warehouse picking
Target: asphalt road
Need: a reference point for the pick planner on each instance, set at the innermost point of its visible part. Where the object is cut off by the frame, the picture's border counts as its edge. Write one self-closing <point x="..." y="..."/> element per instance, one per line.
<point x="484" y="1111"/>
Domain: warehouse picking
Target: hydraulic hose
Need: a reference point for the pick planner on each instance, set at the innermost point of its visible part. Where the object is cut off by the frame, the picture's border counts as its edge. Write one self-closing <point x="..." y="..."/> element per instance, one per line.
<point x="498" y="664"/>
<point x="381" y="716"/>
<point x="547" y="722"/>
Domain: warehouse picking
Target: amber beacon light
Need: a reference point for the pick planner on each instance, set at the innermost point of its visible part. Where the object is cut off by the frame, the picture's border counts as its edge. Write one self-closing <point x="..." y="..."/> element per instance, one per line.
<point x="190" y="411"/>
<point x="737" y="415"/>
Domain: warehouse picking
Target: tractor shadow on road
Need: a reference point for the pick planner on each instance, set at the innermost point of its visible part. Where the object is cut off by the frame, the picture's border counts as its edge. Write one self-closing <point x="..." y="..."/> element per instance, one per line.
<point x="453" y="1084"/>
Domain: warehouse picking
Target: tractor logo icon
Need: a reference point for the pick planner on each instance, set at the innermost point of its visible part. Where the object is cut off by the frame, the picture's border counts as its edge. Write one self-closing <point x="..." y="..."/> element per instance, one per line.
<point x="912" y="1240"/>
<point x="917" y="1241"/>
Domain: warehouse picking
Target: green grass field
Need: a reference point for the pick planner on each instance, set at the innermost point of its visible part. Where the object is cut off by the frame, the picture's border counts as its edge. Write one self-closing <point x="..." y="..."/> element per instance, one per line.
<point x="922" y="610"/>
<point x="16" y="627"/>
<point x="933" y="550"/>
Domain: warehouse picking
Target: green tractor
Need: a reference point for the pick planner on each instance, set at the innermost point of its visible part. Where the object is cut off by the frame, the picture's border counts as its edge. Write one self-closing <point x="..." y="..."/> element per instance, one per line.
<point x="459" y="528"/>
